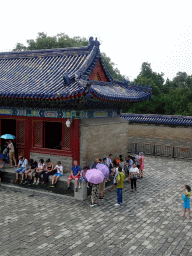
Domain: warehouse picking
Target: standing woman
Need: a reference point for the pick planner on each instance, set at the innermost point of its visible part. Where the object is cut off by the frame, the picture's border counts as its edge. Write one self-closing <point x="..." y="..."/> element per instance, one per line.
<point x="141" y="167"/>
<point x="49" y="171"/>
<point x="11" y="153"/>
<point x="133" y="174"/>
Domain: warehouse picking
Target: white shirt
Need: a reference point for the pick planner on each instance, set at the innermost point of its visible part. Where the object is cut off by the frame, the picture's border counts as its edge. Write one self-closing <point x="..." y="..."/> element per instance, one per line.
<point x="41" y="166"/>
<point x="137" y="158"/>
<point x="108" y="162"/>
<point x="132" y="171"/>
<point x="59" y="169"/>
<point x="23" y="162"/>
<point x="115" y="177"/>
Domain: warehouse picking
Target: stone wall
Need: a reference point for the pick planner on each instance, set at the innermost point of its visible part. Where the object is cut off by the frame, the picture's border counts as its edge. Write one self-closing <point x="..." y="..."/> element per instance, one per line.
<point x="101" y="136"/>
<point x="160" y="134"/>
<point x="66" y="161"/>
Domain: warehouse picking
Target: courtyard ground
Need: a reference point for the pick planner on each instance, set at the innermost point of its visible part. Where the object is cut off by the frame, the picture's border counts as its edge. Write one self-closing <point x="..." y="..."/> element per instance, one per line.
<point x="147" y="223"/>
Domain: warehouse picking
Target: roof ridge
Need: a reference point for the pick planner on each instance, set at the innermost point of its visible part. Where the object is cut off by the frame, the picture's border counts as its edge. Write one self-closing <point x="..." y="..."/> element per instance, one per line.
<point x="48" y="52"/>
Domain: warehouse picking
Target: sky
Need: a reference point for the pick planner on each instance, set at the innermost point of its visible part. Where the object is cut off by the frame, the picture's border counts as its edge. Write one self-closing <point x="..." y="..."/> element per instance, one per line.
<point x="130" y="32"/>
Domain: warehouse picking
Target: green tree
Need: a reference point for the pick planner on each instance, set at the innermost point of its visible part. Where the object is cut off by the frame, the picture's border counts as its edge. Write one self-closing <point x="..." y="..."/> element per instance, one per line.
<point x="148" y="77"/>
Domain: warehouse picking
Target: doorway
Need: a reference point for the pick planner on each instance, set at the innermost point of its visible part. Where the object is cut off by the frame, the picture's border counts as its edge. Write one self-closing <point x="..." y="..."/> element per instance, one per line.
<point x="8" y="126"/>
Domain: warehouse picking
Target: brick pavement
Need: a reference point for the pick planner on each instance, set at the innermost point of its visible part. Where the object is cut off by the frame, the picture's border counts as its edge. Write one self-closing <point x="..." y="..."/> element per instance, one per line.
<point x="147" y="223"/>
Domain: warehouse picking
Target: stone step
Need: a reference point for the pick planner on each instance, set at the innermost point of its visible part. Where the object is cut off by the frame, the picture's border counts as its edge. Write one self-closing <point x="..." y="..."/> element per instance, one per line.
<point x="60" y="188"/>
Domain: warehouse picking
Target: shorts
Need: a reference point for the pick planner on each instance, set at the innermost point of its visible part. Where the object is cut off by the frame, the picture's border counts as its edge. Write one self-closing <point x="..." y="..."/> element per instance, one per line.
<point x="73" y="178"/>
<point x="21" y="169"/>
<point x="102" y="186"/>
<point x="58" y="174"/>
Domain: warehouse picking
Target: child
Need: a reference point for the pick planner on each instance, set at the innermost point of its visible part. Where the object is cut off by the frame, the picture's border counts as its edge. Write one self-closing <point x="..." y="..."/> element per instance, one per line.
<point x="186" y="203"/>
<point x="120" y="179"/>
<point x="82" y="176"/>
<point x="58" y="174"/>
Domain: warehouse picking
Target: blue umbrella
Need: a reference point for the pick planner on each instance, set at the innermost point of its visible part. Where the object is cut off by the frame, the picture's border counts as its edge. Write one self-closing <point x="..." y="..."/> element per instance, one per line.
<point x="8" y="137"/>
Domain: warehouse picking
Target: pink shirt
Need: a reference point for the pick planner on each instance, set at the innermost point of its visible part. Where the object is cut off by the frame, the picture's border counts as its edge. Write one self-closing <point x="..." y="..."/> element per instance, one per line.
<point x="141" y="160"/>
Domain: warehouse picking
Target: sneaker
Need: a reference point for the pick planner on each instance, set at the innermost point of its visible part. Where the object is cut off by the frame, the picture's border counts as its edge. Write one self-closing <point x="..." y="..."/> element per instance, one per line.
<point x="95" y="203"/>
<point x="21" y="182"/>
<point x="91" y="205"/>
<point x="101" y="198"/>
<point x="25" y="182"/>
<point x="76" y="190"/>
<point x="87" y="186"/>
<point x="52" y="186"/>
<point x="117" y="204"/>
<point x="37" y="183"/>
<point x="79" y="186"/>
<point x="34" y="182"/>
<point x="16" y="181"/>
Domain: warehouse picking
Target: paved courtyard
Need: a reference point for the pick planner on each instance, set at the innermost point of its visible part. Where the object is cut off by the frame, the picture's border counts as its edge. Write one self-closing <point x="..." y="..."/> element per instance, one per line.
<point x="148" y="222"/>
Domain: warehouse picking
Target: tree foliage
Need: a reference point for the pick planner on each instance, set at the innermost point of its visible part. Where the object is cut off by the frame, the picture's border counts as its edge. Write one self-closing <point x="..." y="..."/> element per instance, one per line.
<point x="169" y="98"/>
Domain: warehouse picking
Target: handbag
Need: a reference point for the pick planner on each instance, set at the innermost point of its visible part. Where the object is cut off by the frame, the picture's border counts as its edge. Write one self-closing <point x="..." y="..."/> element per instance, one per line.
<point x="184" y="197"/>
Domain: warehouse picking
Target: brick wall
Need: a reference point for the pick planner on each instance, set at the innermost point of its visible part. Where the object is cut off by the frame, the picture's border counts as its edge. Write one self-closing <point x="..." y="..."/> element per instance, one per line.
<point x="98" y="74"/>
<point x="102" y="136"/>
<point x="66" y="161"/>
<point x="160" y="134"/>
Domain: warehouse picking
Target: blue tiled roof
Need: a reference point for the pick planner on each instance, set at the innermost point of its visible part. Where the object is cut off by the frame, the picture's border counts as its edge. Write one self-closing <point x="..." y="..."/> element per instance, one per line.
<point x="61" y="73"/>
<point x="118" y="91"/>
<point x="158" y="119"/>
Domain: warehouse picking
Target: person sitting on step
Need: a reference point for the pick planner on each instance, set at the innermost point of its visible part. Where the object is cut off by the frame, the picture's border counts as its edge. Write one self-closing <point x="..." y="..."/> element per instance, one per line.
<point x="39" y="171"/>
<point x="58" y="174"/>
<point x="32" y="169"/>
<point x="22" y="167"/>
<point x="75" y="174"/>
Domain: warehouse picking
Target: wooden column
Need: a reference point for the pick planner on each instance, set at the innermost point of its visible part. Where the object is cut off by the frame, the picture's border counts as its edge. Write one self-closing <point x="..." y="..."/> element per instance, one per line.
<point x="28" y="137"/>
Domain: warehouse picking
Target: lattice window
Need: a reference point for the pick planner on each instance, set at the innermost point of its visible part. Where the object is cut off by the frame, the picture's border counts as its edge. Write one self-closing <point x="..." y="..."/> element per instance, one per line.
<point x="66" y="137"/>
<point x="20" y="132"/>
<point x="38" y="134"/>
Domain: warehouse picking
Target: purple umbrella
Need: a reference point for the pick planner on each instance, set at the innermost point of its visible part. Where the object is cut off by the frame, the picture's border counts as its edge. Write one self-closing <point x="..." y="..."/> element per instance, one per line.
<point x="94" y="176"/>
<point x="104" y="169"/>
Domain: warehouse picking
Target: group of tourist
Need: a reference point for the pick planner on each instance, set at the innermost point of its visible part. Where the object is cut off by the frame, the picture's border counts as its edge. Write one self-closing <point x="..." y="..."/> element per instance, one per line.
<point x="119" y="169"/>
<point x="36" y="170"/>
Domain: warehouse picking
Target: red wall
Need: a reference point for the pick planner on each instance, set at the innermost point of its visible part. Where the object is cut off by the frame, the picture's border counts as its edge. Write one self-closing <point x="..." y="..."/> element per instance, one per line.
<point x="28" y="147"/>
<point x="98" y="73"/>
